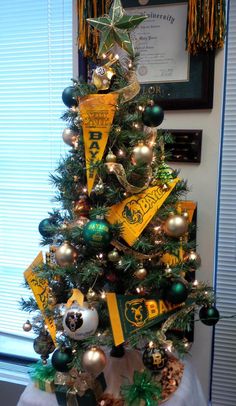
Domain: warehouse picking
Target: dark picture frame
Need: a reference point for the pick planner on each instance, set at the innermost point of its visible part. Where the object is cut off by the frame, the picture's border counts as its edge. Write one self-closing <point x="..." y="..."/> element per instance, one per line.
<point x="197" y="92"/>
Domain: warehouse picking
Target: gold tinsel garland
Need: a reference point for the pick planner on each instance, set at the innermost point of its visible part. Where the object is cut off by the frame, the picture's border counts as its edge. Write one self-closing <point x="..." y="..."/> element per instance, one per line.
<point x="88" y="39"/>
<point x="206" y="27"/>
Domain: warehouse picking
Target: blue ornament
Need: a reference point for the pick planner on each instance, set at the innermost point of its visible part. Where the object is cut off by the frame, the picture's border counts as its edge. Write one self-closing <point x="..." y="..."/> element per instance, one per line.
<point x="68" y="96"/>
<point x="45" y="227"/>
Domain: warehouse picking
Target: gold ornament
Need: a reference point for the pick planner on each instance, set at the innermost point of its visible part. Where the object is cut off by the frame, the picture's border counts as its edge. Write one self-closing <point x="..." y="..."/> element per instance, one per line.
<point x="142" y="154"/>
<point x="27" y="326"/>
<point x="118" y="130"/>
<point x="175" y="226"/>
<point x="102" y="76"/>
<point x="66" y="254"/>
<point x="111" y="157"/>
<point x="94" y="360"/>
<point x="69" y="137"/>
<point x="113" y="256"/>
<point x="141" y="272"/>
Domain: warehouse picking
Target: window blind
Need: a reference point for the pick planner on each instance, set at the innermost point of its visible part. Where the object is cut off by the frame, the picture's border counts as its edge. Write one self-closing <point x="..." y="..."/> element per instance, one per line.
<point x="224" y="362"/>
<point x="35" y="66"/>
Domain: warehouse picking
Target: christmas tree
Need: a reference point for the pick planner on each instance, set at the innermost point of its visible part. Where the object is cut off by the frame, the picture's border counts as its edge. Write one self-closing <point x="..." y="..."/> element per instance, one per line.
<point x="119" y="273"/>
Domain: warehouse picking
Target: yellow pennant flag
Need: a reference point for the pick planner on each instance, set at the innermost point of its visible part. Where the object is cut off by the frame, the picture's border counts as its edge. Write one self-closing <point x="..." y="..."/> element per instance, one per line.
<point x="136" y="211"/>
<point x="40" y="290"/>
<point x="97" y="113"/>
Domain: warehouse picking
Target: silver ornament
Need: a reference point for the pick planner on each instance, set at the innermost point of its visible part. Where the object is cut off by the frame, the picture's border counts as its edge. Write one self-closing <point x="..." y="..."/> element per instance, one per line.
<point x="193" y="258"/>
<point x="27" y="326"/>
<point x="80" y="322"/>
<point x="94" y="360"/>
<point x="142" y="154"/>
<point x="99" y="188"/>
<point x="66" y="254"/>
<point x="175" y="226"/>
<point x="113" y="256"/>
<point x="69" y="136"/>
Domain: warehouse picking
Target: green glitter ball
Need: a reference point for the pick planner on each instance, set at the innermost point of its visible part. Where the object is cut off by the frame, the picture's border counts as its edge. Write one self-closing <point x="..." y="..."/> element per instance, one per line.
<point x="164" y="173"/>
<point x="97" y="234"/>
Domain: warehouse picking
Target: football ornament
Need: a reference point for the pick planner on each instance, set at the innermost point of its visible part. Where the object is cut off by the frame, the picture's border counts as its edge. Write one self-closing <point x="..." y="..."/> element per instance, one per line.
<point x="80" y="322"/>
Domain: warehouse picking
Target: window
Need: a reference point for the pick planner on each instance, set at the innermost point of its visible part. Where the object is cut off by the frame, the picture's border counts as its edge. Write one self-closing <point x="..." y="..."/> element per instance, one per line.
<point x="36" y="65"/>
<point x="224" y="372"/>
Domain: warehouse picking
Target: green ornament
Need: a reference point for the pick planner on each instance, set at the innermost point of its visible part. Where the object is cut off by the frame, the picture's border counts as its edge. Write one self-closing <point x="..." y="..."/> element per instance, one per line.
<point x="164" y="173"/>
<point x="209" y="315"/>
<point x="97" y="234"/>
<point x="61" y="358"/>
<point x="115" y="28"/>
<point x="177" y="292"/>
<point x="153" y="116"/>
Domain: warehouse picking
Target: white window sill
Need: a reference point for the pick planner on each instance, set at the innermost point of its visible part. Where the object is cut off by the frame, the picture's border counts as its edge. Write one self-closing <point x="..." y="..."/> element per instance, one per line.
<point x="15" y="351"/>
<point x="14" y="373"/>
<point x="17" y="347"/>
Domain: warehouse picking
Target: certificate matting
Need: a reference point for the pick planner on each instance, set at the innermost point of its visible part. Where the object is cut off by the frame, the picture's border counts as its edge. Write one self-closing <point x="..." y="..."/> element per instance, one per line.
<point x="160" y="43"/>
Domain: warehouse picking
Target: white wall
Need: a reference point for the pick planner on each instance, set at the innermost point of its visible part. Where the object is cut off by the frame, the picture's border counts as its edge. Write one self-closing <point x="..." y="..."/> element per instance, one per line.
<point x="203" y="179"/>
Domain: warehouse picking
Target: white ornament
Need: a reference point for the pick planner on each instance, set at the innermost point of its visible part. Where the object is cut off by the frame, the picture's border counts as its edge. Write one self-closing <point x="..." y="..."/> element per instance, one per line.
<point x="80" y="322"/>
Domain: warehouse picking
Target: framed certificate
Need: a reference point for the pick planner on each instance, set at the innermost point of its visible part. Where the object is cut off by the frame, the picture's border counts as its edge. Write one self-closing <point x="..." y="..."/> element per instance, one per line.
<point x="164" y="67"/>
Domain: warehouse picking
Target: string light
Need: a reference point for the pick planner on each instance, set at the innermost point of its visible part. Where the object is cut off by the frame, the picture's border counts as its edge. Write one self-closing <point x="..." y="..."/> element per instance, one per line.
<point x="157" y="229"/>
<point x="195" y="283"/>
<point x="157" y="242"/>
<point x="169" y="347"/>
<point x="151" y="344"/>
<point x="120" y="152"/>
<point x="103" y="295"/>
<point x="168" y="270"/>
<point x="84" y="189"/>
